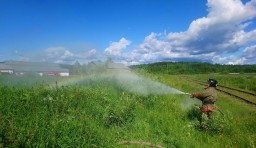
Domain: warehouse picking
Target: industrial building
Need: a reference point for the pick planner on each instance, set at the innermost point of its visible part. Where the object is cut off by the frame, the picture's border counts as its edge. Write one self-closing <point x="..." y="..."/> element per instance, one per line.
<point x="37" y="68"/>
<point x="5" y="69"/>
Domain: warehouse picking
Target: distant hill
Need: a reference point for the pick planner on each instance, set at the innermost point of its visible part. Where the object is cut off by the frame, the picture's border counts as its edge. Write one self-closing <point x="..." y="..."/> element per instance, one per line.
<point x="193" y="68"/>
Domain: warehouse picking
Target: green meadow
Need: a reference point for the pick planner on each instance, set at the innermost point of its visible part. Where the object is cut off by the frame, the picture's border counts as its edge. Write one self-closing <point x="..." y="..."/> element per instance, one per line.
<point x="100" y="111"/>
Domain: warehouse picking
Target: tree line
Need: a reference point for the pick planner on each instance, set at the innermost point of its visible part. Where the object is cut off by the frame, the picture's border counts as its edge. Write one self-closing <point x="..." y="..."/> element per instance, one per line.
<point x="193" y="68"/>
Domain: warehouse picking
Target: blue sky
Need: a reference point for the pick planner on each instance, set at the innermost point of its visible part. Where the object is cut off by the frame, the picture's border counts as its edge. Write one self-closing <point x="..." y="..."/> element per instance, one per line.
<point x="128" y="31"/>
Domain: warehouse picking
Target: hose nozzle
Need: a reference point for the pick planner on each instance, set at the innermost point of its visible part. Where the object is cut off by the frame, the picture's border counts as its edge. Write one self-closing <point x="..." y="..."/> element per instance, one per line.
<point x="186" y="93"/>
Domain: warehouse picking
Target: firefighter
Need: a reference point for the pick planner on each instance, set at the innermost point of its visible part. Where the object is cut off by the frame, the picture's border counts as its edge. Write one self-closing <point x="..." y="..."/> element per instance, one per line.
<point x="208" y="98"/>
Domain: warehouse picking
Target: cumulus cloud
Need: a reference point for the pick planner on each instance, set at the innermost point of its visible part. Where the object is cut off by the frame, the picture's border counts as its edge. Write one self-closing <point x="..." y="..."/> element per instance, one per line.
<point x="231" y="60"/>
<point x="221" y="32"/>
<point x="115" y="48"/>
<point x="63" y="55"/>
<point x="222" y="36"/>
<point x="58" y="54"/>
<point x="89" y="55"/>
<point x="92" y="52"/>
<point x="250" y="54"/>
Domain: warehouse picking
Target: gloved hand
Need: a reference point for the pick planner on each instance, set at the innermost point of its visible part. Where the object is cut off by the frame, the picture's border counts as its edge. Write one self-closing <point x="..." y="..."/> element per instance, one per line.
<point x="192" y="95"/>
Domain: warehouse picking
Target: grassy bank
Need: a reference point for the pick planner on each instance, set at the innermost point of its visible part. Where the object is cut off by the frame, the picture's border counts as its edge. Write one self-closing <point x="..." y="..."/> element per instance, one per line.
<point x="100" y="113"/>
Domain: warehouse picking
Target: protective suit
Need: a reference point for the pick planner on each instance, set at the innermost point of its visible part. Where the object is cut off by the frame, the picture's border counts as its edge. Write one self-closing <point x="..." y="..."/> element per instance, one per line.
<point x="208" y="97"/>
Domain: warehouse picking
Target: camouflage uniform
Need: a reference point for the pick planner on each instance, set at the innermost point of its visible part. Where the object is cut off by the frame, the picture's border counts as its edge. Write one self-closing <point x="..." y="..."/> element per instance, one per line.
<point x="208" y="97"/>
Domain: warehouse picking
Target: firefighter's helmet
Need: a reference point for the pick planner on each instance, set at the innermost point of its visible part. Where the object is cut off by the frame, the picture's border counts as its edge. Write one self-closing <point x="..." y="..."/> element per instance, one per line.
<point x="212" y="82"/>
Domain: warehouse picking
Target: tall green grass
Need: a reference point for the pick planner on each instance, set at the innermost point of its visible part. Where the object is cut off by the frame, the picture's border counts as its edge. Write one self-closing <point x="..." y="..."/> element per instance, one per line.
<point x="245" y="82"/>
<point x="100" y="113"/>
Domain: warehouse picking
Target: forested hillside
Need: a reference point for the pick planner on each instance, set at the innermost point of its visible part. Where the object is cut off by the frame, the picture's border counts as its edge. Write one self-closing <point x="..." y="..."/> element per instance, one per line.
<point x="193" y="68"/>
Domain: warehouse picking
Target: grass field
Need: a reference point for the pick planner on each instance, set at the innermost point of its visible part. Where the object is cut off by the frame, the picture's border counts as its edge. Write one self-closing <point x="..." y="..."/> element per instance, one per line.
<point x="245" y="82"/>
<point x="99" y="111"/>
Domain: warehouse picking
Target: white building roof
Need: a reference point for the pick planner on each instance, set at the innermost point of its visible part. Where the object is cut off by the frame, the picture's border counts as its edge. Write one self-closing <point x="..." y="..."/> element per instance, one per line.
<point x="19" y="66"/>
<point x="5" y="67"/>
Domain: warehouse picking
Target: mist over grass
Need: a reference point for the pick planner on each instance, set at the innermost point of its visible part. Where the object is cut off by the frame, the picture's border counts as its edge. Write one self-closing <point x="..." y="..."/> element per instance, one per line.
<point x="124" y="79"/>
<point x="28" y="80"/>
<point x="133" y="83"/>
<point x="140" y="85"/>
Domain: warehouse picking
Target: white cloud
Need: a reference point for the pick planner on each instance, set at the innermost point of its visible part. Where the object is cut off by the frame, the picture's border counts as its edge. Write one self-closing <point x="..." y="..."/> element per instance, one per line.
<point x="115" y="48"/>
<point x="231" y="60"/>
<point x="241" y="37"/>
<point x="247" y="57"/>
<point x="92" y="52"/>
<point x="250" y="54"/>
<point x="153" y="44"/>
<point x="67" y="54"/>
<point x="227" y="11"/>
<point x="218" y="31"/>
<point x="58" y="54"/>
<point x="63" y="55"/>
<point x="222" y="32"/>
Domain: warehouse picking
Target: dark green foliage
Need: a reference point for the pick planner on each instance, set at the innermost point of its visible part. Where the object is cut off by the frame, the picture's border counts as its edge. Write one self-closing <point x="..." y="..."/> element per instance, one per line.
<point x="219" y="124"/>
<point x="194" y="113"/>
<point x="117" y="116"/>
<point x="193" y="68"/>
<point x="62" y="117"/>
